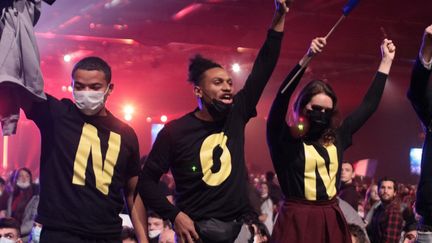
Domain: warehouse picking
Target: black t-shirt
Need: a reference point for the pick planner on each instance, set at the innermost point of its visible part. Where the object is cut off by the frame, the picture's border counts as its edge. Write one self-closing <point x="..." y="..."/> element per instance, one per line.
<point x="193" y="145"/>
<point x="86" y="162"/>
<point x="207" y="158"/>
<point x="307" y="169"/>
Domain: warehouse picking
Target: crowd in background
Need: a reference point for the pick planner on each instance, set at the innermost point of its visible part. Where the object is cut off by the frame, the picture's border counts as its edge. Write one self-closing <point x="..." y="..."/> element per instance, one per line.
<point x="19" y="197"/>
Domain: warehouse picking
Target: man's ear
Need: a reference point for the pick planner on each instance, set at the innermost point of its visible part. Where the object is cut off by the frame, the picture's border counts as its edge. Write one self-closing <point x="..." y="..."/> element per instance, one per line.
<point x="110" y="88"/>
<point x="197" y="91"/>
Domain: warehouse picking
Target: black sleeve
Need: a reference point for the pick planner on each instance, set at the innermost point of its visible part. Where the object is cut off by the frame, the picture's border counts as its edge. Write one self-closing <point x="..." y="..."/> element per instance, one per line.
<point x="42" y="112"/>
<point x="133" y="167"/>
<point x="368" y="106"/>
<point x="420" y="93"/>
<point x="260" y="74"/>
<point x="157" y="163"/>
<point x="277" y="128"/>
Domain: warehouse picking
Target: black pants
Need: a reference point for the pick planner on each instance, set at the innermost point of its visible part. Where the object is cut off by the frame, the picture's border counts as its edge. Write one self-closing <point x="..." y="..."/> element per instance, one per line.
<point x="216" y="231"/>
<point x="59" y="236"/>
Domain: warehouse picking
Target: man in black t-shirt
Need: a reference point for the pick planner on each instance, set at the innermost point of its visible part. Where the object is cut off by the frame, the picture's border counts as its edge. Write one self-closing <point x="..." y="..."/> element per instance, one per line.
<point x="89" y="161"/>
<point x="204" y="149"/>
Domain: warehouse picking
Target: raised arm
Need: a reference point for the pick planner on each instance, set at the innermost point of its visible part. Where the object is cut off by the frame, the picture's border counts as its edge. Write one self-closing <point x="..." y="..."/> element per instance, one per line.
<point x="276" y="124"/>
<point x="373" y="96"/>
<point x="22" y="74"/>
<point x="278" y="22"/>
<point x="419" y="93"/>
<point x="265" y="61"/>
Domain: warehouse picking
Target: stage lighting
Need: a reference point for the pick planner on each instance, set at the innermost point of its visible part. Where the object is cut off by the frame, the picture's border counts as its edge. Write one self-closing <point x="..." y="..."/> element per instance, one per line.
<point x="128" y="109"/>
<point x="235" y="67"/>
<point x="67" y="58"/>
<point x="163" y="118"/>
<point x="128" y="116"/>
<point x="113" y="3"/>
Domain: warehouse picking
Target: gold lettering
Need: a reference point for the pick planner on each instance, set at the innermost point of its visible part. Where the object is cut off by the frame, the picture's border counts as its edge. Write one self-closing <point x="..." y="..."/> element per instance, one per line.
<point x="90" y="142"/>
<point x="313" y="161"/>
<point x="215" y="145"/>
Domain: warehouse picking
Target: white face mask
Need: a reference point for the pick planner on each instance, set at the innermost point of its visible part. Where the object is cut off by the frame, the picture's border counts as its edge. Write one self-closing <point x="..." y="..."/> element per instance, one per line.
<point x="6" y="240"/>
<point x="154" y="233"/>
<point x="90" y="102"/>
<point x="23" y="185"/>
<point x="35" y="234"/>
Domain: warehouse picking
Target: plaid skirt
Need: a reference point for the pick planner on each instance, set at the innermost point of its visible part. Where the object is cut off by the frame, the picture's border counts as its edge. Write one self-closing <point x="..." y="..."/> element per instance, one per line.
<point x="303" y="221"/>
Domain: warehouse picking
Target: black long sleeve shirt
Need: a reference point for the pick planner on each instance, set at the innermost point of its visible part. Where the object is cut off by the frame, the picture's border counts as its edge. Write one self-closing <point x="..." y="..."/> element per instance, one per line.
<point x="307" y="169"/>
<point x="188" y="147"/>
<point x="420" y="95"/>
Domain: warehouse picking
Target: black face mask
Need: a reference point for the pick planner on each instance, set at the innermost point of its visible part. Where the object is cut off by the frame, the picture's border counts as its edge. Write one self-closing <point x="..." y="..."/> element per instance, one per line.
<point x="318" y="122"/>
<point x="217" y="109"/>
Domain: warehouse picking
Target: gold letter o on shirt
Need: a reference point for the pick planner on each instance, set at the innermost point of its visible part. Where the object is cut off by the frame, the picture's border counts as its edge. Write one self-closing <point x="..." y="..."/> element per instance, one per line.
<point x="206" y="158"/>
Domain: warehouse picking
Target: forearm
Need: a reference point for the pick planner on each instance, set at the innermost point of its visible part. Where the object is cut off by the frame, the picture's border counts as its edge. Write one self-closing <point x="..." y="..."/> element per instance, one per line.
<point x="276" y="123"/>
<point x="419" y="81"/>
<point x="13" y="96"/>
<point x="374" y="94"/>
<point x="278" y="22"/>
<point x="279" y="107"/>
<point x="368" y="106"/>
<point x="153" y="198"/>
<point x="426" y="51"/>
<point x="418" y="89"/>
<point x="262" y="69"/>
<point x="418" y="92"/>
<point x="385" y="65"/>
<point x="138" y="214"/>
<point x="305" y="60"/>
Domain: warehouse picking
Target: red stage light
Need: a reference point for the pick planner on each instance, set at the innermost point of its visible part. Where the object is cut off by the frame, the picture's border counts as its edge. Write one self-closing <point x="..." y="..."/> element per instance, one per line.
<point x="67" y="58"/>
<point x="163" y="118"/>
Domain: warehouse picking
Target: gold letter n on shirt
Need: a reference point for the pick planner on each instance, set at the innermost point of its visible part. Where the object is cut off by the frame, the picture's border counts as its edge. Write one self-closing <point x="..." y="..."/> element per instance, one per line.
<point x="314" y="162"/>
<point x="90" y="142"/>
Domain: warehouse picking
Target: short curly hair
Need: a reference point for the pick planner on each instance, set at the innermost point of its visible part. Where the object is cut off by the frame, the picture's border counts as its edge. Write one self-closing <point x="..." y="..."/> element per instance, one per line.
<point x="197" y="66"/>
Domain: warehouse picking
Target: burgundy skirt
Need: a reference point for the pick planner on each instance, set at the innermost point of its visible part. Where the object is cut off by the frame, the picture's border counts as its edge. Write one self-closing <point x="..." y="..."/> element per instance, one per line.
<point x="304" y="221"/>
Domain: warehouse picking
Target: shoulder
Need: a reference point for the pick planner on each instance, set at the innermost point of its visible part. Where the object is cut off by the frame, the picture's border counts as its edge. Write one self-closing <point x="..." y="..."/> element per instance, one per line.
<point x="57" y="107"/>
<point x="182" y="122"/>
<point x="394" y="208"/>
<point x="120" y="126"/>
<point x="53" y="100"/>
